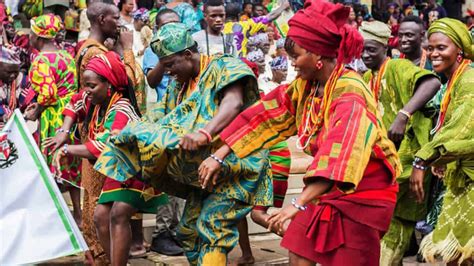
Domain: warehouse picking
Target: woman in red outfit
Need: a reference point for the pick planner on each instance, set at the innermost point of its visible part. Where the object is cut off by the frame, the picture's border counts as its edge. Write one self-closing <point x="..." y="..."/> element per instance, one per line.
<point x="350" y="189"/>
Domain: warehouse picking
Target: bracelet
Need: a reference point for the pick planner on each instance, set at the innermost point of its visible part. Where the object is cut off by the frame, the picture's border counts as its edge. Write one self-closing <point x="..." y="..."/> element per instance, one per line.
<point x="61" y="130"/>
<point x="217" y="159"/>
<point x="403" y="112"/>
<point x="205" y="133"/>
<point x="299" y="207"/>
<point x="65" y="149"/>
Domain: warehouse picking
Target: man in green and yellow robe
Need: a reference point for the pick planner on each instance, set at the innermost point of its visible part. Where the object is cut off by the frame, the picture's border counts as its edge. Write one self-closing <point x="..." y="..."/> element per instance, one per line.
<point x="168" y="145"/>
<point x="401" y="90"/>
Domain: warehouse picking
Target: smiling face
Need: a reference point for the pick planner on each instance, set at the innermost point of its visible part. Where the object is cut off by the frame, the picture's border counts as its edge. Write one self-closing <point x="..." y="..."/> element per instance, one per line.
<point x="179" y="65"/>
<point x="303" y="61"/>
<point x="128" y="6"/>
<point x="96" y="87"/>
<point x="410" y="37"/>
<point x="373" y="54"/>
<point x="443" y="53"/>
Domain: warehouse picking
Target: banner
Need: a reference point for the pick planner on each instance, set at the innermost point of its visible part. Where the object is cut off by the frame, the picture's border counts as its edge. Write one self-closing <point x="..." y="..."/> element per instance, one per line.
<point x="35" y="222"/>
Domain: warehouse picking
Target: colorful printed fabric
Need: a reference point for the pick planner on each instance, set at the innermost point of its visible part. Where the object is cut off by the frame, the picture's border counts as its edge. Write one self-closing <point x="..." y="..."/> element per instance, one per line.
<point x="196" y="230"/>
<point x="256" y="56"/>
<point x="259" y="38"/>
<point x="457" y="32"/>
<point x="280" y="160"/>
<point x="170" y="39"/>
<point x="141" y="14"/>
<point x="189" y="17"/>
<point x="397" y="87"/>
<point x="242" y="30"/>
<point x="18" y="94"/>
<point x="150" y="147"/>
<point x="360" y="137"/>
<point x="352" y="147"/>
<point x="46" y="26"/>
<point x="53" y="78"/>
<point x="279" y="63"/>
<point x="453" y="146"/>
<point x="9" y="56"/>
<point x="32" y="8"/>
<point x="137" y="193"/>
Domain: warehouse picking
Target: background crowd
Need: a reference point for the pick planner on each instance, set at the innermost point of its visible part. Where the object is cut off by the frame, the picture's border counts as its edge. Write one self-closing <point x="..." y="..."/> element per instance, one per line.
<point x="50" y="69"/>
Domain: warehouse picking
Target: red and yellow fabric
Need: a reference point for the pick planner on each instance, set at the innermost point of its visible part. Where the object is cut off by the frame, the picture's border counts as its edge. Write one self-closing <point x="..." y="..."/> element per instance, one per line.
<point x="53" y="78"/>
<point x="46" y="26"/>
<point x="118" y="115"/>
<point x="351" y="148"/>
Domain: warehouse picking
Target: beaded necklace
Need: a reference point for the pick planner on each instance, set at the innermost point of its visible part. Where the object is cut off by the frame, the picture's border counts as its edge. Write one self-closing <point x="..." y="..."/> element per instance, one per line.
<point x="98" y="126"/>
<point x="375" y="86"/>
<point x="313" y="120"/>
<point x="447" y="95"/>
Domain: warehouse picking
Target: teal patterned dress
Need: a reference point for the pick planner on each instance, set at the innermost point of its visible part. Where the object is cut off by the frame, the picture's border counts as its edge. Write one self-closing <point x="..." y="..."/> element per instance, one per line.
<point x="149" y="147"/>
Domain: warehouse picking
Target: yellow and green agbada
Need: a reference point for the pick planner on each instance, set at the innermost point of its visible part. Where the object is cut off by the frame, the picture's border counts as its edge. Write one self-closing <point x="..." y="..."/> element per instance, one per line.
<point x="208" y="228"/>
<point x="453" y="146"/>
<point x="393" y="86"/>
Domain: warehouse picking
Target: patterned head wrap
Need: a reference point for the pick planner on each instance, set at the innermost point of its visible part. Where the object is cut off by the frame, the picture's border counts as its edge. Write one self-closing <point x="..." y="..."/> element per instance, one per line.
<point x="110" y="67"/>
<point x="280" y="44"/>
<point x="172" y="38"/>
<point x="375" y="30"/>
<point x="279" y="63"/>
<point x="9" y="56"/>
<point x="259" y="38"/>
<point x="255" y="56"/>
<point x="46" y="26"/>
<point x="141" y="14"/>
<point x="321" y="28"/>
<point x="457" y="32"/>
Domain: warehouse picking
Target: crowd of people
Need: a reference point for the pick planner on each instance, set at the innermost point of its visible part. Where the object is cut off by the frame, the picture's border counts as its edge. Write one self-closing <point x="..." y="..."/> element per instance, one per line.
<point x="183" y="109"/>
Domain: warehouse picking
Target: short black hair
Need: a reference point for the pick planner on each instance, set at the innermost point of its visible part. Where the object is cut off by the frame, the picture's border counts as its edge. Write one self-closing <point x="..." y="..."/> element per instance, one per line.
<point x="163" y="12"/>
<point x="415" y="19"/>
<point x="213" y="3"/>
<point x="232" y="11"/>
<point x="96" y="9"/>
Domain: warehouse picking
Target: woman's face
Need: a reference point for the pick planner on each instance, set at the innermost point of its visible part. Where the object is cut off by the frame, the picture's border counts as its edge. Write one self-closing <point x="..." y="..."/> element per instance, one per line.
<point x="303" y="62"/>
<point x="265" y="47"/>
<point x="95" y="87"/>
<point x="442" y="52"/>
<point x="248" y="9"/>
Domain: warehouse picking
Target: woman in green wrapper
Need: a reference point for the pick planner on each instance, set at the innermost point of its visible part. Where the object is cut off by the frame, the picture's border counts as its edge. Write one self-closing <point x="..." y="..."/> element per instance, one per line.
<point x="450" y="153"/>
<point x="169" y="143"/>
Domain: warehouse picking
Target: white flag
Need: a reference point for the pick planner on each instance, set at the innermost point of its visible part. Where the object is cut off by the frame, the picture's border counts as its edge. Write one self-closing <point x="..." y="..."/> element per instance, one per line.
<point x="35" y="222"/>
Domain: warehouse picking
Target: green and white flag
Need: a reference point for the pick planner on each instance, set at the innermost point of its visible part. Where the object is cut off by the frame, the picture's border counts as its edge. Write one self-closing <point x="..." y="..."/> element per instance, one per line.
<point x="35" y="222"/>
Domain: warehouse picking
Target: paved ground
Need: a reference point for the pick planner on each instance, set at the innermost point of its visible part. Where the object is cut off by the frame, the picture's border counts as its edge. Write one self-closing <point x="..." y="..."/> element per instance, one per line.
<point x="265" y="247"/>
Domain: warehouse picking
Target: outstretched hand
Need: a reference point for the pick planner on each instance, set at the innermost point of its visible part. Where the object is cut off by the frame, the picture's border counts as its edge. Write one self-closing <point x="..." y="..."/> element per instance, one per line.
<point x="55" y="142"/>
<point x="416" y="184"/>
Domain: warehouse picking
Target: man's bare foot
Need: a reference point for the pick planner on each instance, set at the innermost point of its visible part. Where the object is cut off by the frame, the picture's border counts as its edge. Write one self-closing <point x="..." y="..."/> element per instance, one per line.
<point x="244" y="260"/>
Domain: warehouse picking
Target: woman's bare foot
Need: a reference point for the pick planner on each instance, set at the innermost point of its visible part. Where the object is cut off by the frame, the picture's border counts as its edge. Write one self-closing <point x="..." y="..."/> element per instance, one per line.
<point x="245" y="260"/>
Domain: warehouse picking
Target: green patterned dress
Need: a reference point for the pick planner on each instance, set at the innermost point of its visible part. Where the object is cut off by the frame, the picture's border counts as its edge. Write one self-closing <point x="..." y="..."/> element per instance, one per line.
<point x="150" y="147"/>
<point x="397" y="87"/>
<point x="453" y="146"/>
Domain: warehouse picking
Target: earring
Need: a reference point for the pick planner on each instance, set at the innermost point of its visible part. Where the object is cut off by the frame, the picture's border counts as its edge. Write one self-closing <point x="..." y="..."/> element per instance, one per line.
<point x="109" y="92"/>
<point x="319" y="65"/>
<point x="459" y="58"/>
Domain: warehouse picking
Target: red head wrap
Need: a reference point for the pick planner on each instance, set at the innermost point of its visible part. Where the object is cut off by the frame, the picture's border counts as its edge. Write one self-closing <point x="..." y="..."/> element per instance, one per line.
<point x="320" y="27"/>
<point x="252" y="66"/>
<point x="110" y="67"/>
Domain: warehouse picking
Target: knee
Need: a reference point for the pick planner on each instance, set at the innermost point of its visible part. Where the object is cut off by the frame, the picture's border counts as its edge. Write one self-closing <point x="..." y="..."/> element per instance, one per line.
<point x="119" y="216"/>
<point x="101" y="216"/>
